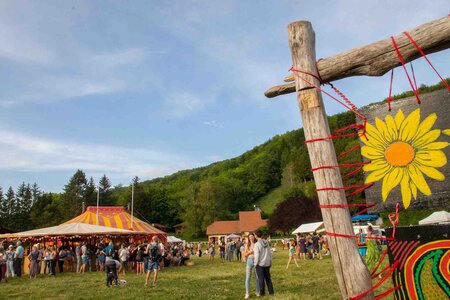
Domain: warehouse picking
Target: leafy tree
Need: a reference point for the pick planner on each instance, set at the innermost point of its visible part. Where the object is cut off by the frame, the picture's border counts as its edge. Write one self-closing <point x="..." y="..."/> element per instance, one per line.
<point x="46" y="210"/>
<point x="295" y="210"/>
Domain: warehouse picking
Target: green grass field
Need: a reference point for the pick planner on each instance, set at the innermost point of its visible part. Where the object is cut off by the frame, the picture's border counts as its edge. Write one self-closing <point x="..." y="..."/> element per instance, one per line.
<point x="312" y="280"/>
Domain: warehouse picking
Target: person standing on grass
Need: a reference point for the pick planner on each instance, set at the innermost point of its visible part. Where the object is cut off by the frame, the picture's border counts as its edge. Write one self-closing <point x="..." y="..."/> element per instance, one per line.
<point x="33" y="257"/>
<point x="263" y="262"/>
<point x="84" y="257"/>
<point x="139" y="259"/>
<point x="292" y="254"/>
<point x="78" y="255"/>
<point x="52" y="257"/>
<point x="124" y="255"/>
<point x="222" y="250"/>
<point x="18" y="259"/>
<point x="315" y="244"/>
<point x="302" y="245"/>
<point x="212" y="252"/>
<point x="10" y="254"/>
<point x="249" y="259"/>
<point x="153" y="260"/>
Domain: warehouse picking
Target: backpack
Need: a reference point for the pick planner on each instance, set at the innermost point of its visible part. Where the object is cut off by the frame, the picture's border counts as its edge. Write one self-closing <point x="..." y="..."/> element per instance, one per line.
<point x="154" y="253"/>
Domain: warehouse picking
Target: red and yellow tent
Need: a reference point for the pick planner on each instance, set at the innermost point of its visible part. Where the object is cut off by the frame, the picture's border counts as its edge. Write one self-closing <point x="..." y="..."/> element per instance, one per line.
<point x="116" y="217"/>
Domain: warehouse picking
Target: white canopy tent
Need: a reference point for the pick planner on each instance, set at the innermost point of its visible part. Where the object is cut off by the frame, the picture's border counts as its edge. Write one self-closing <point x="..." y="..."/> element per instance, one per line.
<point x="233" y="236"/>
<point x="437" y="217"/>
<point x="173" y="239"/>
<point x="71" y="229"/>
<point x="310" y="227"/>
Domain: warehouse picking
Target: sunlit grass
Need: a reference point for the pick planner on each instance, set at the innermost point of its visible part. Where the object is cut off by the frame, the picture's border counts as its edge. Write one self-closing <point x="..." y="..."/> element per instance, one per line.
<point x="312" y="280"/>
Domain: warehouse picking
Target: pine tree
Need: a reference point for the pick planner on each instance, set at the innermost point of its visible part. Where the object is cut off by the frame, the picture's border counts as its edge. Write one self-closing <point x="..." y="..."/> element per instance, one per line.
<point x="10" y="199"/>
<point x="3" y="208"/>
<point x="90" y="195"/>
<point x="36" y="191"/>
<point x="105" y="188"/>
<point x="74" y="193"/>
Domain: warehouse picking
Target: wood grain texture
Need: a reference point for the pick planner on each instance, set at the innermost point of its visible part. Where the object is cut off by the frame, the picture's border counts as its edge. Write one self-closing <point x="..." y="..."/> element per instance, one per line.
<point x="377" y="58"/>
<point x="352" y="274"/>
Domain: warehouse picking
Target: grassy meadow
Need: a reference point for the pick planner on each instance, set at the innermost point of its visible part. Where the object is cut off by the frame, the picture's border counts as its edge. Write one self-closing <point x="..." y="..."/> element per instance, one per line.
<point x="312" y="280"/>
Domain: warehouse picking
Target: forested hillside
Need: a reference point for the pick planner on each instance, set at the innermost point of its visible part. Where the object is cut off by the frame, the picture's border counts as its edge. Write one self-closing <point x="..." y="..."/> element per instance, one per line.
<point x="198" y="196"/>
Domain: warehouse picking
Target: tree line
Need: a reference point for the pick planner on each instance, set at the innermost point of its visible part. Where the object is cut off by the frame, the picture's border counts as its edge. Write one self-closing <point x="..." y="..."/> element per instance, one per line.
<point x="197" y="197"/>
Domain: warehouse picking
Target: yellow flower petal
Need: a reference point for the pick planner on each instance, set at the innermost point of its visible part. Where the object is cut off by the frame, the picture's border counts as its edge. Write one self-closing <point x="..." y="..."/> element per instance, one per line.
<point x="371" y="153"/>
<point x="377" y="174"/>
<point x="375" y="165"/>
<point x="374" y="137"/>
<point x="392" y="127"/>
<point x="418" y="179"/>
<point x="431" y="158"/>
<point x="427" y="138"/>
<point x="399" y="117"/>
<point x="425" y="126"/>
<point x="413" y="188"/>
<point x="382" y="128"/>
<point x="390" y="181"/>
<point x="435" y="146"/>
<point x="409" y="126"/>
<point x="446" y="131"/>
<point x="406" y="191"/>
<point x="431" y="172"/>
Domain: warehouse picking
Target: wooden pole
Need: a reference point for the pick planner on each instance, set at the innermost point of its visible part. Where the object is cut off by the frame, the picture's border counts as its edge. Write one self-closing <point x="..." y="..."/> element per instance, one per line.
<point x="351" y="271"/>
<point x="378" y="58"/>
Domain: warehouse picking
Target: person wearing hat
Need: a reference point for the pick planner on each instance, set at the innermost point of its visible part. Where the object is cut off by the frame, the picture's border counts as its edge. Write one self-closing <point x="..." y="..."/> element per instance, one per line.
<point x="10" y="255"/>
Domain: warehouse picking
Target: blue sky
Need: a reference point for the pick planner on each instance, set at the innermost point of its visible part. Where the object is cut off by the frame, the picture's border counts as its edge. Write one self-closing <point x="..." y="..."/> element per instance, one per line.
<point x="147" y="88"/>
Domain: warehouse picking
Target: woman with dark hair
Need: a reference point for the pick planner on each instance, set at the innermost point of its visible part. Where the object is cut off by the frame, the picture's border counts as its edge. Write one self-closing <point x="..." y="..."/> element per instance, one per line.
<point x="249" y="257"/>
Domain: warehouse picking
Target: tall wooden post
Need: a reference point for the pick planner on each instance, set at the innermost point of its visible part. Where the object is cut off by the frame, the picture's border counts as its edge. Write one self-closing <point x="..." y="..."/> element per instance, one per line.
<point x="352" y="273"/>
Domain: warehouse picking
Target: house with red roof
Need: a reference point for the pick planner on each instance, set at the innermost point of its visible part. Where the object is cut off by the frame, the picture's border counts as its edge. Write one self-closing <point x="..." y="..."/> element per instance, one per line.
<point x="249" y="221"/>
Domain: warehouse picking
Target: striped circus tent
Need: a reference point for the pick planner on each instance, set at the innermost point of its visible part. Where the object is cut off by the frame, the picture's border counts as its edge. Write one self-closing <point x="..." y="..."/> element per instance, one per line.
<point x="116" y="217"/>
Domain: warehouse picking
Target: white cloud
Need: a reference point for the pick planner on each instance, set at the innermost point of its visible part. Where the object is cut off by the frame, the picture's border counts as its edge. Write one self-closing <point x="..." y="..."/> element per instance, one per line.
<point x="26" y="153"/>
<point x="213" y="123"/>
<point x="184" y="104"/>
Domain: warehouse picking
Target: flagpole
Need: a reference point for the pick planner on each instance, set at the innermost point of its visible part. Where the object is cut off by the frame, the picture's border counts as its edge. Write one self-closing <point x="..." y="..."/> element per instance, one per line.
<point x="98" y="200"/>
<point x="132" y="204"/>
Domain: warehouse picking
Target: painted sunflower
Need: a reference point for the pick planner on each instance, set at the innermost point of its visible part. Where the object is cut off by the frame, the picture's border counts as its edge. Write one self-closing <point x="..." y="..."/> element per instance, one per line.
<point x="403" y="150"/>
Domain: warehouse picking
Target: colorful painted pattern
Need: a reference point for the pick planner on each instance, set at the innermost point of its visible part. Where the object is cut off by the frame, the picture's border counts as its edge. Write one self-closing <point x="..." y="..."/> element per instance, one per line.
<point x="116" y="217"/>
<point x="424" y="270"/>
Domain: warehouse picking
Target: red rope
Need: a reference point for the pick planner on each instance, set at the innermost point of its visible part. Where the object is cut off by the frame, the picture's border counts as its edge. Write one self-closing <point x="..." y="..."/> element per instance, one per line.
<point x="394" y="218"/>
<point x="347" y="205"/>
<point x="380" y="296"/>
<point x="424" y="56"/>
<point x="389" y="99"/>
<point x="400" y="58"/>
<point x="378" y="265"/>
<point x="340" y="166"/>
<point x="350" y="236"/>
<point x="375" y="286"/>
<point x="347" y="105"/>
<point x="354" y="148"/>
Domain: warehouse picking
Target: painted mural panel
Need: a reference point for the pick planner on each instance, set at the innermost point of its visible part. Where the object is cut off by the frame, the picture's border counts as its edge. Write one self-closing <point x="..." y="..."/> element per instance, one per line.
<point x="423" y="253"/>
<point x="408" y="148"/>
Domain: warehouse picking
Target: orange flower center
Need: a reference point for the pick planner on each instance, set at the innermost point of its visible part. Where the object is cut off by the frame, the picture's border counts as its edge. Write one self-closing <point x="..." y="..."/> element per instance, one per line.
<point x="399" y="154"/>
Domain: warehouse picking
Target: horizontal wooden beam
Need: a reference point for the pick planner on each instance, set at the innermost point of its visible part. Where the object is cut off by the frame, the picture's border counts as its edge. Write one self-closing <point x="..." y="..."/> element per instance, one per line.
<point x="377" y="58"/>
